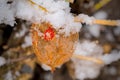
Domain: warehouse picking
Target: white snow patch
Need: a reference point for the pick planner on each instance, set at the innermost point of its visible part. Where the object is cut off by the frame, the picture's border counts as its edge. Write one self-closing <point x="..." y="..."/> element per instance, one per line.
<point x="88" y="69"/>
<point x="22" y="32"/>
<point x="58" y="14"/>
<point x="2" y="61"/>
<point x="95" y="29"/>
<point x="112" y="57"/>
<point x="88" y="48"/>
<point x="86" y="19"/>
<point x="27" y="42"/>
<point x="8" y="76"/>
<point x="7" y="13"/>
<point x="101" y="15"/>
<point x="45" y="67"/>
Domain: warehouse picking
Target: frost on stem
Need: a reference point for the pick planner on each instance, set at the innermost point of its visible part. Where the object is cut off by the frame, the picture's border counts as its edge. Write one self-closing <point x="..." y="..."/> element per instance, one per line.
<point x="91" y="20"/>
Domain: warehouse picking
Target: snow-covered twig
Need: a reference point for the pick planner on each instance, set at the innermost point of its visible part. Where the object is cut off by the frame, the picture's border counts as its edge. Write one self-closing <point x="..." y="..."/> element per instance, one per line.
<point x="82" y="18"/>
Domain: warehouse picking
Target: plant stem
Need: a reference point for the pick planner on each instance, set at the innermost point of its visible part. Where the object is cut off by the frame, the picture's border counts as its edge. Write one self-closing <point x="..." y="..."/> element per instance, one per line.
<point x="98" y="61"/>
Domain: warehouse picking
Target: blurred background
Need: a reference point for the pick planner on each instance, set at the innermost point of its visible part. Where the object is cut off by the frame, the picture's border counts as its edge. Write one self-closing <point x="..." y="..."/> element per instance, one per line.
<point x="18" y="58"/>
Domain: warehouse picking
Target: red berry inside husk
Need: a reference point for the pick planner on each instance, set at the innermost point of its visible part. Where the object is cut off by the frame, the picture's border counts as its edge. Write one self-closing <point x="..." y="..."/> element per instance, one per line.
<point x="49" y="34"/>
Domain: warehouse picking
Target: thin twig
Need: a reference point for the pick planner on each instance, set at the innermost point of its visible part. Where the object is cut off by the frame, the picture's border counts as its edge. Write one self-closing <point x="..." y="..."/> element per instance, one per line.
<point x="101" y="22"/>
<point x="98" y="61"/>
<point x="107" y="22"/>
<point x="41" y="7"/>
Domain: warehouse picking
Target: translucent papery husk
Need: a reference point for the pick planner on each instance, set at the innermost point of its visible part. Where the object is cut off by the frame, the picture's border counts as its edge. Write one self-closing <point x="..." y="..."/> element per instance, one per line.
<point x="52" y="52"/>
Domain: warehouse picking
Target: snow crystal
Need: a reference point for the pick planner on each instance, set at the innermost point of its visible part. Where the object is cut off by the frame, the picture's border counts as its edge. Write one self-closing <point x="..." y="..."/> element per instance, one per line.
<point x="26" y="11"/>
<point x="22" y="32"/>
<point x="45" y="67"/>
<point x="88" y="48"/>
<point x="8" y="76"/>
<point x="57" y="14"/>
<point x="2" y="61"/>
<point x="7" y="13"/>
<point x="86" y="19"/>
<point x="109" y="36"/>
<point x="112" y="57"/>
<point x="27" y="42"/>
<point x="87" y="69"/>
<point x="95" y="29"/>
<point x="101" y="15"/>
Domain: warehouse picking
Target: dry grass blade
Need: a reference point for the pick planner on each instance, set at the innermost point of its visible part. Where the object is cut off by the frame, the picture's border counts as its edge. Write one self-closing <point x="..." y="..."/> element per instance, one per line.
<point x="41" y="7"/>
<point x="98" y="61"/>
<point x="101" y="22"/>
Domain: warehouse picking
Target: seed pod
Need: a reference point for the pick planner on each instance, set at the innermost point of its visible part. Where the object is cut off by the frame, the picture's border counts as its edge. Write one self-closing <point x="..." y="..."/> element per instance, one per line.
<point x="51" y="48"/>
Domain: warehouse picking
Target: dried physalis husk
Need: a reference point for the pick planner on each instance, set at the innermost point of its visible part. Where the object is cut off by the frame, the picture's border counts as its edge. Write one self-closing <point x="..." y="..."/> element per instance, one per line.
<point x="50" y="47"/>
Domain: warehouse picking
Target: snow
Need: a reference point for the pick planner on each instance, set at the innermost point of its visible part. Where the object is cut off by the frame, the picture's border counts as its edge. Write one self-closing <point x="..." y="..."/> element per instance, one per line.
<point x="2" y="61"/>
<point x="8" y="76"/>
<point x="88" y="69"/>
<point x="22" y="32"/>
<point x="112" y="57"/>
<point x="58" y="14"/>
<point x="109" y="36"/>
<point x="86" y="19"/>
<point x="45" y="67"/>
<point x="27" y="42"/>
<point x="95" y="29"/>
<point x="7" y="13"/>
<point x="88" y="48"/>
<point x="100" y="15"/>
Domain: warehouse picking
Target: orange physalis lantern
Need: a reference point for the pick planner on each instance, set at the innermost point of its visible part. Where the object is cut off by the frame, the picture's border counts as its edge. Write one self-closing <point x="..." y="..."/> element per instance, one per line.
<point x="50" y="47"/>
